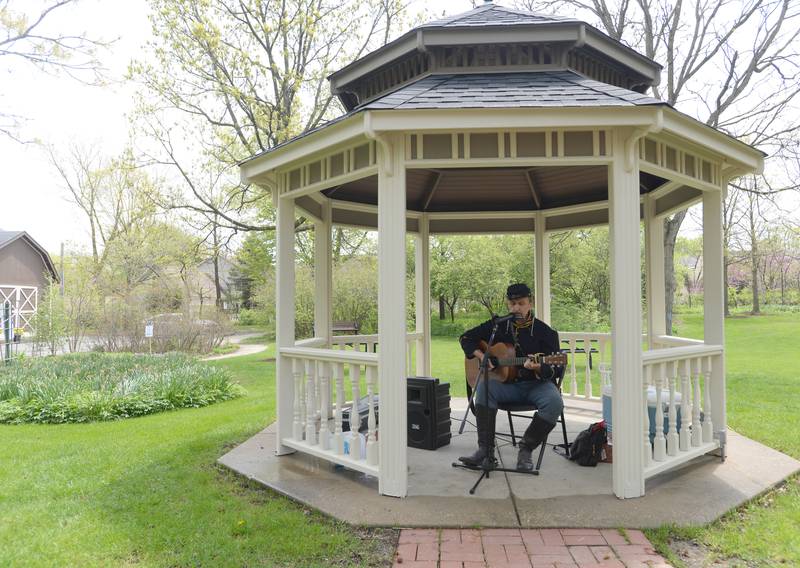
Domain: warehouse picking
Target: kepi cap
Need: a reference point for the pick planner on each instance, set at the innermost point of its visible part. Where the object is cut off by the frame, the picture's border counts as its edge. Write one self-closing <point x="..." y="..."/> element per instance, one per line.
<point x="516" y="291"/>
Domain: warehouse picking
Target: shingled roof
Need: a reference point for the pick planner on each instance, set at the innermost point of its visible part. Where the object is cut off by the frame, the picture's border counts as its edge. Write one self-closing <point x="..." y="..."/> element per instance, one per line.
<point x="511" y="90"/>
<point x="494" y="15"/>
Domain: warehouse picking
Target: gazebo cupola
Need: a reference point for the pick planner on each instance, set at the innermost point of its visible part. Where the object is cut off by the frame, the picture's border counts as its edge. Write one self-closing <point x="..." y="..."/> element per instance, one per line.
<point x="493" y="39"/>
<point x="498" y="120"/>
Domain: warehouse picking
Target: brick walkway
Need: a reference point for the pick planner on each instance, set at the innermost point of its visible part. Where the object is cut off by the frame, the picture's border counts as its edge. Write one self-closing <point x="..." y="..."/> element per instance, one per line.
<point x="528" y="548"/>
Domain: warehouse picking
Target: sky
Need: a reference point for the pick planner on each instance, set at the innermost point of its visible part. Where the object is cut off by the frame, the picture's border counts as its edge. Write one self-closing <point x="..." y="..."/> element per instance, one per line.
<point x="61" y="111"/>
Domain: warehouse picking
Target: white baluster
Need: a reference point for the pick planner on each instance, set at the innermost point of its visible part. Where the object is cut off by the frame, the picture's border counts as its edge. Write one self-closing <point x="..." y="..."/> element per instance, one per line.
<point x="355" y="418"/>
<point x="311" y="412"/>
<point x="601" y="348"/>
<point x="708" y="427"/>
<point x="672" y="434"/>
<point x="323" y="371"/>
<point x="587" y="386"/>
<point x="317" y="393"/>
<point x="697" y="434"/>
<point x="685" y="400"/>
<point x="409" y="359"/>
<point x="337" y="441"/>
<point x="297" y="423"/>
<point x="648" y="450"/>
<point x="372" y="433"/>
<point x="303" y="402"/>
<point x="573" y="388"/>
<point x="660" y="443"/>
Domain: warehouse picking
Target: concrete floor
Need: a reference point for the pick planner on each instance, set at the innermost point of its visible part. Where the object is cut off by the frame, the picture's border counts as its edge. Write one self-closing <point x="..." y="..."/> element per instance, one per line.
<point x="564" y="495"/>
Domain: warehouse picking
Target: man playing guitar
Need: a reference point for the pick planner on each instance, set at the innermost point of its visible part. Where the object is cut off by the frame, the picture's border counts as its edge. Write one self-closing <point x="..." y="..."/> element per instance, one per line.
<point x="533" y="385"/>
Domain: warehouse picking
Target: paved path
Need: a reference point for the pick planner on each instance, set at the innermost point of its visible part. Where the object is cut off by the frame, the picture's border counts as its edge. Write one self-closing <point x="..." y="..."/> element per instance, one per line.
<point x="244" y="349"/>
<point x="528" y="548"/>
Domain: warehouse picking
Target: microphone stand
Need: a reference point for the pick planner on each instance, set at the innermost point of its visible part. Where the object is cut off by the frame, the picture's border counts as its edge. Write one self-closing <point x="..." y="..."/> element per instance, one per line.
<point x="489" y="463"/>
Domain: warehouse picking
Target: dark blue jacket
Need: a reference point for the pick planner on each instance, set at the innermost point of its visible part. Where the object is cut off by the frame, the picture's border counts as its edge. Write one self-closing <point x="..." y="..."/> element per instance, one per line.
<point x="539" y="338"/>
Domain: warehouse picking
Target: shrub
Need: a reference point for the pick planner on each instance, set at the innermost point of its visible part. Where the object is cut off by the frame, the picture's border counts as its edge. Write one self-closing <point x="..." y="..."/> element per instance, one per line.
<point x="93" y="386"/>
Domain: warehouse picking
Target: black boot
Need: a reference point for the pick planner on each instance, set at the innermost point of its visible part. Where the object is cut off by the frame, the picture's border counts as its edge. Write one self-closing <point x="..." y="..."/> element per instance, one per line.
<point x="485" y="418"/>
<point x="535" y="434"/>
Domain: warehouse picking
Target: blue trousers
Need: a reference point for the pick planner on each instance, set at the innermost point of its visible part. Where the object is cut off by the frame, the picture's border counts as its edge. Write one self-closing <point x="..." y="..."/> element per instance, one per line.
<point x="542" y="394"/>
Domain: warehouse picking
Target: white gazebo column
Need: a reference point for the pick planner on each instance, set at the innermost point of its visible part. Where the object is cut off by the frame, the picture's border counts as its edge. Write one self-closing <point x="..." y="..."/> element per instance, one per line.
<point x="626" y="318"/>
<point x="713" y="305"/>
<point x="323" y="262"/>
<point x="542" y="267"/>
<point x="284" y="316"/>
<point x="655" y="284"/>
<point x="422" y="303"/>
<point x="393" y="478"/>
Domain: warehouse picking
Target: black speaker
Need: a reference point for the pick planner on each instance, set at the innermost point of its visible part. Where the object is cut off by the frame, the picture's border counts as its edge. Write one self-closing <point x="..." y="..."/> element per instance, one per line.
<point x="428" y="413"/>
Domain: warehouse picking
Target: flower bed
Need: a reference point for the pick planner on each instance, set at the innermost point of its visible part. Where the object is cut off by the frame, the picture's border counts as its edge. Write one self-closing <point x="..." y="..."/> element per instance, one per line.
<point x="91" y="387"/>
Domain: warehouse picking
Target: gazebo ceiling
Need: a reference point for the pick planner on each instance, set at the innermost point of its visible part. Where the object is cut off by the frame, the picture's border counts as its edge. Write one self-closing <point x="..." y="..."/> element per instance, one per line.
<point x="494" y="189"/>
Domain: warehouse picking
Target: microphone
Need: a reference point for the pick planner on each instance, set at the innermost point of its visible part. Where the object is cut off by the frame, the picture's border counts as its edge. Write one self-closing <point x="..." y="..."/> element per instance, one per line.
<point x="509" y="317"/>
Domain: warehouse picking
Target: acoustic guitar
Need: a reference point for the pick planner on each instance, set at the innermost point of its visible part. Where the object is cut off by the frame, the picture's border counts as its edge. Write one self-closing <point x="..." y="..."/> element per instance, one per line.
<point x="506" y="363"/>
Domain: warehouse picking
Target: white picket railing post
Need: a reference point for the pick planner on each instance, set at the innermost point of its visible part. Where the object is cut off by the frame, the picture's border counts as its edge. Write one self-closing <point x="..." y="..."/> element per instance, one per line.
<point x="672" y="433"/>
<point x="323" y="372"/>
<point x="697" y="434"/>
<point x="660" y="443"/>
<point x="573" y="388"/>
<point x="587" y="387"/>
<point x="297" y="424"/>
<point x="372" y="433"/>
<point x="355" y="419"/>
<point x="685" y="410"/>
<point x="338" y="439"/>
<point x="708" y="426"/>
<point x="311" y="410"/>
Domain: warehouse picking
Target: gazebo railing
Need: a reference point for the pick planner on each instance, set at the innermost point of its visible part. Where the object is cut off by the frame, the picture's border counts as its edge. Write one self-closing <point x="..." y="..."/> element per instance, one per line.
<point x="583" y="345"/>
<point x="369" y="344"/>
<point x="319" y="401"/>
<point x="676" y="401"/>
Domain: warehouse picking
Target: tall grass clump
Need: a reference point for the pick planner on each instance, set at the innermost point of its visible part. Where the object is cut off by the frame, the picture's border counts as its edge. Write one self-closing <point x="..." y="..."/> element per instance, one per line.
<point x="89" y="387"/>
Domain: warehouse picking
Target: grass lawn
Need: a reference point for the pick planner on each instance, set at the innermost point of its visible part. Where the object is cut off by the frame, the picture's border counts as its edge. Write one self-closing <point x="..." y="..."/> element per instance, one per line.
<point x="146" y="491"/>
<point x="763" y="398"/>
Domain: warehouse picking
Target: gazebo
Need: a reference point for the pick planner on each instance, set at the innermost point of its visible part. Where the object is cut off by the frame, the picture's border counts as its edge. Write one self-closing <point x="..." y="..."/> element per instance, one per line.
<point x="498" y="120"/>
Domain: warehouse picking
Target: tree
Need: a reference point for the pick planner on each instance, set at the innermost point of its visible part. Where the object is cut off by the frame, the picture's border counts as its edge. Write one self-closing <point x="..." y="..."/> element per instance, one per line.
<point x="245" y="75"/>
<point x="737" y="60"/>
<point x="450" y="272"/>
<point x="114" y="195"/>
<point x="28" y="35"/>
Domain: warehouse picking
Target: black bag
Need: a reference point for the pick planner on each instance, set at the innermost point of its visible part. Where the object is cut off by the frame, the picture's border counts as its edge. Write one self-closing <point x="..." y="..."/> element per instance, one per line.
<point x="587" y="448"/>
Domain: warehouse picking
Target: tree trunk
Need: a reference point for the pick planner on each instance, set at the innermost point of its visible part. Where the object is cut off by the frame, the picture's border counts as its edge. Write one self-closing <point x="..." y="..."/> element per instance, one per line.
<point x="217" y="285"/>
<point x="754" y="260"/>
<point x="441" y="308"/>
<point x="671" y="228"/>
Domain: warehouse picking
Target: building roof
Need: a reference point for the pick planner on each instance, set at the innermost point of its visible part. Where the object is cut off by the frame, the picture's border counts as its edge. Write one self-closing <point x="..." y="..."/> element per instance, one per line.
<point x="494" y="90"/>
<point x="491" y="24"/>
<point x="494" y="15"/>
<point x="8" y="237"/>
<point x="509" y="90"/>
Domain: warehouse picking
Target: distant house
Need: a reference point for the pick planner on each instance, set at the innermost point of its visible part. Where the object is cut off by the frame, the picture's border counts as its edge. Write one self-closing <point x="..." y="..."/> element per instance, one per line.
<point x="203" y="289"/>
<point x="25" y="271"/>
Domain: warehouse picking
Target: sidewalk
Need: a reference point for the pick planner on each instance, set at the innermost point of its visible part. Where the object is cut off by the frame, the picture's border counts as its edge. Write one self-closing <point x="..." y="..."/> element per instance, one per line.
<point x="525" y="548"/>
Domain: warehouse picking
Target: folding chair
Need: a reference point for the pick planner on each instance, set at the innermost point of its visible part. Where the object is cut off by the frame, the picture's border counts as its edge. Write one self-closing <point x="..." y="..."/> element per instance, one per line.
<point x="513" y="410"/>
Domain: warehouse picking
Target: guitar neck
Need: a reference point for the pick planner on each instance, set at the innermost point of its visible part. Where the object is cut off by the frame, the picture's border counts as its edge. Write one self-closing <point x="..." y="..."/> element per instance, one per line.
<point x="512" y="362"/>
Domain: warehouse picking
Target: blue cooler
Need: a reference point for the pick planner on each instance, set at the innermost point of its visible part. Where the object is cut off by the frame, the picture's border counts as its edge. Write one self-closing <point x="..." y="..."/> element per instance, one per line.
<point x="651" y="409"/>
